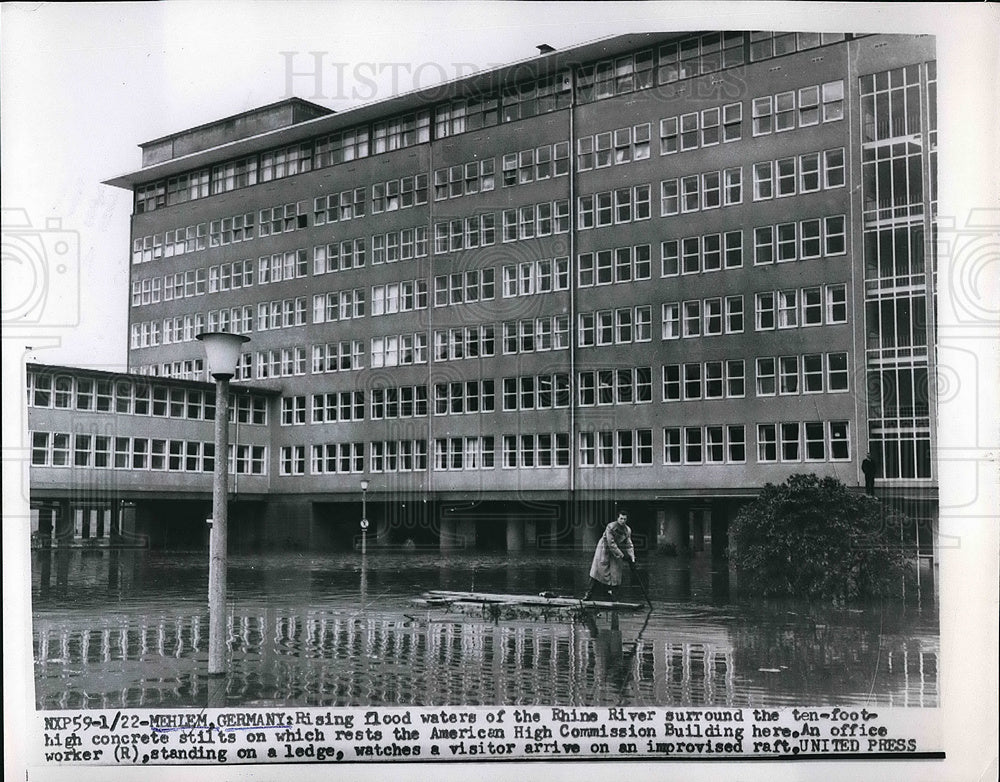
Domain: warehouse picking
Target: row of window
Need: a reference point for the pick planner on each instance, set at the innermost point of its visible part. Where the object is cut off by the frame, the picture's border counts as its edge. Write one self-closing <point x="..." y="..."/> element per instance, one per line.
<point x="531" y="220"/>
<point x="465" y="234"/>
<point x="620" y="326"/>
<point x="331" y="208"/>
<point x="534" y="165"/>
<point x="530" y="277"/>
<point x="285" y="218"/>
<point x="477" y="176"/>
<point x="131" y="398"/>
<point x="800" y="108"/>
<point x="62" y="449"/>
<point x="705" y="128"/>
<point x="613" y="207"/>
<point x="779" y="243"/>
<point x="792" y="308"/>
<point x="808" y="374"/>
<point x="795" y="441"/>
<point x="187" y="369"/>
<point x="699" y="192"/>
<point x="405" y="296"/>
<point x="402" y="193"/>
<point x="790" y="176"/>
<point x="187" y="239"/>
<point x="464" y="287"/>
<point x="801" y="240"/>
<point x="403" y="245"/>
<point x="809" y="441"/>
<point x="613" y="147"/>
<point x="706" y="53"/>
<point x="784" y="375"/>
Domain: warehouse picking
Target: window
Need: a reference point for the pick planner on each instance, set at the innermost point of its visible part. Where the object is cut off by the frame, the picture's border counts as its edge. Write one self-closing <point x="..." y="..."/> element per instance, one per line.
<point x="671" y="321"/>
<point x="815" y="441"/>
<point x="790" y="442"/>
<point x="763" y="180"/>
<point x="784" y="111"/>
<point x="812" y="374"/>
<point x="692" y="381"/>
<point x="833" y="168"/>
<point x="833" y="101"/>
<point x="735" y="378"/>
<point x="692" y="318"/>
<point x="763" y="245"/>
<point x="836" y="372"/>
<point x="788" y="309"/>
<point x="672" y="445"/>
<point x="836" y="303"/>
<point x="693" y="453"/>
<point x="767" y="443"/>
<point x="840" y="441"/>
<point x="812" y="306"/>
<point x="763" y="115"/>
<point x="834" y="232"/>
<point x="734" y="314"/>
<point x="788" y="372"/>
<point x="766" y="385"/>
<point x="785" y="177"/>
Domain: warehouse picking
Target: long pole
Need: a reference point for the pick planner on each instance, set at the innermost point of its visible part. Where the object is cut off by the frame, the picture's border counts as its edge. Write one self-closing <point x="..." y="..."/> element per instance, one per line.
<point x="217" y="537"/>
<point x="364" y="521"/>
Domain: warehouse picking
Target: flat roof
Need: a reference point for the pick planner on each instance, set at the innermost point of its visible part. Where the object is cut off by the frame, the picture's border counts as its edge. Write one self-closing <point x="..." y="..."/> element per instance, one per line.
<point x="477" y="84"/>
<point x="201" y="385"/>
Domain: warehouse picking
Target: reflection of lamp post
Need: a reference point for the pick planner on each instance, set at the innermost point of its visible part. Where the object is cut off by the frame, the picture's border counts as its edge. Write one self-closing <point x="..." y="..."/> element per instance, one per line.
<point x="364" y="515"/>
<point x="223" y="353"/>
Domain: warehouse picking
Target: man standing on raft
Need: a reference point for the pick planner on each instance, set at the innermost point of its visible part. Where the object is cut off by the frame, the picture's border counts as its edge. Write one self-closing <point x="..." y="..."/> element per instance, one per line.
<point x="614" y="547"/>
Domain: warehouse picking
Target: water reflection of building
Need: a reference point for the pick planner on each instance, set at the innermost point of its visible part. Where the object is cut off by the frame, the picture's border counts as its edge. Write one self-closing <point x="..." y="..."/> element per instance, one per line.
<point x="314" y="657"/>
<point x="552" y="254"/>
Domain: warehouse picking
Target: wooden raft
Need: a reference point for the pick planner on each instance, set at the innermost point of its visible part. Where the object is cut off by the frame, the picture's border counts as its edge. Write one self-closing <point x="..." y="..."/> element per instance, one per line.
<point x="501" y="606"/>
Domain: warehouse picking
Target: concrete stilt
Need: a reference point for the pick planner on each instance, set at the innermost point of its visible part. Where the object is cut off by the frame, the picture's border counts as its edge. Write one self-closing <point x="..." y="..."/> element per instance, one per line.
<point x="674" y="528"/>
<point x="587" y="529"/>
<point x="467" y="534"/>
<point x="382" y="532"/>
<point x="515" y="534"/>
<point x="64" y="524"/>
<point x="447" y="525"/>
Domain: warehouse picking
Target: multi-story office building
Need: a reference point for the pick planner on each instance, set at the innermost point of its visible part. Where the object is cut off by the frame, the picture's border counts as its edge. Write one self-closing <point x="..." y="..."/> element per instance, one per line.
<point x="655" y="271"/>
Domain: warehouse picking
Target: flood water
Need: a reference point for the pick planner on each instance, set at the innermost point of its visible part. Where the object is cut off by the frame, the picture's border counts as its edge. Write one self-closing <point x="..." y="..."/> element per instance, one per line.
<point x="129" y="628"/>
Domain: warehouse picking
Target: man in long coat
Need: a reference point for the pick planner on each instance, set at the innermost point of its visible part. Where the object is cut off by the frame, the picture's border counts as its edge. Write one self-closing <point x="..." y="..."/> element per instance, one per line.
<point x="614" y="547"/>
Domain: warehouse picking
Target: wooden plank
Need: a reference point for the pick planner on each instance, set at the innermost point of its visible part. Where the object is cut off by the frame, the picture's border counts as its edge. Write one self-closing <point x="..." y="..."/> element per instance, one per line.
<point x="532" y="600"/>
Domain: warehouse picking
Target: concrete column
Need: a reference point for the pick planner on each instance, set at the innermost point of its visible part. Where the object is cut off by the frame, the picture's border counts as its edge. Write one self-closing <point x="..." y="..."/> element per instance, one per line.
<point x="530" y="534"/>
<point x="698" y="530"/>
<point x="382" y="532"/>
<point x="64" y="524"/>
<point x="720" y="529"/>
<point x="46" y="524"/>
<point x="515" y="533"/>
<point x="467" y="534"/>
<point x="586" y="528"/>
<point x="447" y="533"/>
<point x="674" y="528"/>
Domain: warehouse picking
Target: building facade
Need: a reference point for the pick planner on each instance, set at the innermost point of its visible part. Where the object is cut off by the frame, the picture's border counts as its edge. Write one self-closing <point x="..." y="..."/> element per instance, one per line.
<point x="654" y="272"/>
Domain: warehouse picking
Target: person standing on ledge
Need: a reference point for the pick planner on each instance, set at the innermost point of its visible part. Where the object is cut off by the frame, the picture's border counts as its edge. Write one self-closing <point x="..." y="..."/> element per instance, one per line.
<point x="869" y="467"/>
<point x="614" y="547"/>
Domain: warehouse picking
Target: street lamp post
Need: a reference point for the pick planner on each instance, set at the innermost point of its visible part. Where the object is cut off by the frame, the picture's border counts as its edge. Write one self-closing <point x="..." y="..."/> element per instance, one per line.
<point x="223" y="353"/>
<point x="364" y="515"/>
